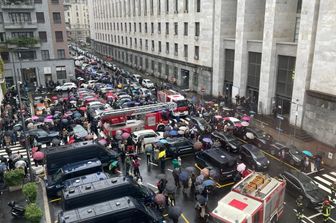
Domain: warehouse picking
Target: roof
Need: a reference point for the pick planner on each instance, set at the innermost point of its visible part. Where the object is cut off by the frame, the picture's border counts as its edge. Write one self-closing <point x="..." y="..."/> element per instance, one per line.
<point x="219" y="155"/>
<point x="235" y="207"/>
<point x="85" y="164"/>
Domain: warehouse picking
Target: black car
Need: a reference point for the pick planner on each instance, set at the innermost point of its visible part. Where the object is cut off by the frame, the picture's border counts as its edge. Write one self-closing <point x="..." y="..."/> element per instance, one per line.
<point x="227" y="141"/>
<point x="300" y="184"/>
<point x="43" y="136"/>
<point x="200" y="124"/>
<point x="289" y="153"/>
<point x="253" y="157"/>
<point x="221" y="162"/>
<point x="178" y="146"/>
<point x="257" y="137"/>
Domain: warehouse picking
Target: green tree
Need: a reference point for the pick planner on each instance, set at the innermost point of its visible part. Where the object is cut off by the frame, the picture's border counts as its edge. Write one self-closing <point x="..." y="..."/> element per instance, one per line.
<point x="33" y="213"/>
<point x="30" y="191"/>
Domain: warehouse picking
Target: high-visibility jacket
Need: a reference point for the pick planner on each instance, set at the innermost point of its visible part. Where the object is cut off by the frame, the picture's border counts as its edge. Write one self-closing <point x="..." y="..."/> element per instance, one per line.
<point x="326" y="210"/>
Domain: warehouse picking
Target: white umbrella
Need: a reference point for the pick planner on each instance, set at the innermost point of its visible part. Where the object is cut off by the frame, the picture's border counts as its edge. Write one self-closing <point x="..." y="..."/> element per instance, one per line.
<point x="183" y="128"/>
<point x="20" y="163"/>
<point x="250" y="135"/>
<point x="30" y="126"/>
<point x="180" y="132"/>
<point x="241" y="167"/>
<point x="245" y="124"/>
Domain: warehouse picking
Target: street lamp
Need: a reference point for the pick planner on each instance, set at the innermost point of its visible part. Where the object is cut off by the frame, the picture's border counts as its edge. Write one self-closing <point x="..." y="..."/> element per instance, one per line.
<point x="27" y="144"/>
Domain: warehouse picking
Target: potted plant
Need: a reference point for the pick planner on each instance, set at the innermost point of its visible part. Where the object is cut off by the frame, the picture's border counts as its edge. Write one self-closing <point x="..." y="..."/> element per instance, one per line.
<point x="14" y="179"/>
<point x="30" y="192"/>
<point x="33" y="213"/>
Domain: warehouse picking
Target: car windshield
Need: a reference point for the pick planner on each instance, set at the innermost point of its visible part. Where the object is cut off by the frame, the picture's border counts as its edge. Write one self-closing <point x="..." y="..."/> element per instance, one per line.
<point x="294" y="151"/>
<point x="260" y="133"/>
<point x="181" y="103"/>
<point x="257" y="154"/>
<point x="310" y="185"/>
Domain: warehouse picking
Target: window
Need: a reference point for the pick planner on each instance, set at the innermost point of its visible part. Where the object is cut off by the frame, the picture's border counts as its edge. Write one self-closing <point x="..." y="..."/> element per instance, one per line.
<point x="286" y="67"/>
<point x="153" y="65"/>
<point x="167" y="28"/>
<point x="186" y="5"/>
<point x="159" y="47"/>
<point x="130" y="27"/>
<point x="198" y="5"/>
<point x="197" y="29"/>
<point x="40" y="17"/>
<point x="135" y="42"/>
<point x="185" y="50"/>
<point x="146" y="27"/>
<point x="160" y="68"/>
<point x="167" y="6"/>
<point x="2" y="37"/>
<point x="22" y="34"/>
<point x="167" y="70"/>
<point x="5" y="56"/>
<point x="140" y="44"/>
<point x="176" y="49"/>
<point x="153" y="45"/>
<point x="175" y="28"/>
<point x="253" y="71"/>
<point x="27" y="55"/>
<point x="195" y="79"/>
<point x="159" y="27"/>
<point x="19" y="17"/>
<point x="60" y="72"/>
<point x="229" y="65"/>
<point x="196" y="52"/>
<point x="57" y="18"/>
<point x="176" y="6"/>
<point x="146" y="63"/>
<point x="151" y="7"/>
<point x="38" y="1"/>
<point x="59" y="36"/>
<point x="55" y="1"/>
<point x="186" y="29"/>
<point x="152" y="27"/>
<point x="140" y="29"/>
<point x="43" y="37"/>
<point x="159" y="7"/>
<point x="167" y="47"/>
<point x="60" y="53"/>
<point x="146" y="44"/>
<point x="145" y="7"/>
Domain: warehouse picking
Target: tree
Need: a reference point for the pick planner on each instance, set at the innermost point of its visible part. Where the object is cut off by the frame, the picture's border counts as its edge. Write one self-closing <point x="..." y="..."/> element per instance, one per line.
<point x="33" y="213"/>
<point x="30" y="191"/>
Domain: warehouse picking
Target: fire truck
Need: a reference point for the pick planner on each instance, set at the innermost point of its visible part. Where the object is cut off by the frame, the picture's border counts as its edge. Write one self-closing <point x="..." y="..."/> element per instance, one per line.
<point x="146" y="117"/>
<point x="258" y="198"/>
<point x="173" y="96"/>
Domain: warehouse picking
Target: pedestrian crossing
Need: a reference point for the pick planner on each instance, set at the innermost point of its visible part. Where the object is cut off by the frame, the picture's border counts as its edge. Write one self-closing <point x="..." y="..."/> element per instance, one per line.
<point x="15" y="148"/>
<point x="325" y="180"/>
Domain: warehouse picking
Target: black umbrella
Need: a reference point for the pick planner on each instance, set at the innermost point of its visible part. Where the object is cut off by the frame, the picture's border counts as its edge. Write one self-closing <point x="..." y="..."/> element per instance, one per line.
<point x="201" y="199"/>
<point x="191" y="169"/>
<point x="174" y="212"/>
<point x="161" y="176"/>
<point x="55" y="142"/>
<point x="170" y="188"/>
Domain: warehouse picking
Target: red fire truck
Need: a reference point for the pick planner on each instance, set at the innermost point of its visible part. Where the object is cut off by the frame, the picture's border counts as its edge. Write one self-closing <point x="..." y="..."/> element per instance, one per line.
<point x="148" y="117"/>
<point x="173" y="96"/>
<point x="258" y="198"/>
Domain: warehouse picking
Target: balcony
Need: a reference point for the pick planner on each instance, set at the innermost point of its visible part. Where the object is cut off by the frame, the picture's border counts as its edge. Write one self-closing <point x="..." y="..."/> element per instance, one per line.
<point x="17" y="5"/>
<point x="15" y="46"/>
<point x="25" y="25"/>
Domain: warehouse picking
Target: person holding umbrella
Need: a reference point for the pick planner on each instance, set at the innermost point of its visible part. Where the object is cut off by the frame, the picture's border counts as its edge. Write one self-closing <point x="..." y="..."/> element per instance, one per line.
<point x="174" y="213"/>
<point x="136" y="170"/>
<point x="184" y="178"/>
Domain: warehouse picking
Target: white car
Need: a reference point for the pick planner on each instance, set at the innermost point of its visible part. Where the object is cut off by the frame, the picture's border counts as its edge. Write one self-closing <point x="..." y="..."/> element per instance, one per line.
<point x="145" y="92"/>
<point x="66" y="86"/>
<point x="148" y="136"/>
<point x="147" y="83"/>
<point x="136" y="77"/>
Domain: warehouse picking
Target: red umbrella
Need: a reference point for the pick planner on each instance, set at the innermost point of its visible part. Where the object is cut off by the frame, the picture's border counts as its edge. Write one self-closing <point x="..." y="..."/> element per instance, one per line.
<point x="125" y="135"/>
<point x="34" y="150"/>
<point x="160" y="199"/>
<point x="82" y="108"/>
<point x="205" y="172"/>
<point x="102" y="141"/>
<point x="38" y="155"/>
<point x="54" y="97"/>
<point x="198" y="145"/>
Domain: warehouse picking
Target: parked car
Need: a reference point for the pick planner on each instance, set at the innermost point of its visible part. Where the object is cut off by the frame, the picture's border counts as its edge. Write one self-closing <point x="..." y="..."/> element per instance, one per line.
<point x="221" y="162"/>
<point x="136" y="77"/>
<point x="289" y="153"/>
<point x="257" y="137"/>
<point x="66" y="86"/>
<point x="253" y="157"/>
<point x="42" y="136"/>
<point x="79" y="131"/>
<point x="148" y="136"/>
<point x="144" y="92"/>
<point x="178" y="146"/>
<point x="147" y="83"/>
<point x="227" y="141"/>
<point x="299" y="183"/>
<point x="232" y="121"/>
<point x="200" y="124"/>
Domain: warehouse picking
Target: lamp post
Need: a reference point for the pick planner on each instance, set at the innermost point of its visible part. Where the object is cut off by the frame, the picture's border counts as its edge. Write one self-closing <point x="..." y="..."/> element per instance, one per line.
<point x="296" y="117"/>
<point x="27" y="144"/>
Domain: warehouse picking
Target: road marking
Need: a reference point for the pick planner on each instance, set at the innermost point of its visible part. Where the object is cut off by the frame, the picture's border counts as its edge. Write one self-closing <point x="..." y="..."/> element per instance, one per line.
<point x="323" y="180"/>
<point x="329" y="177"/>
<point x="170" y="170"/>
<point x="315" y="215"/>
<point x="280" y="161"/>
<point x="54" y="200"/>
<point x="333" y="173"/>
<point x="152" y="185"/>
<point x="323" y="187"/>
<point x="154" y="164"/>
<point x="304" y="216"/>
<point x="315" y="171"/>
<point x="184" y="218"/>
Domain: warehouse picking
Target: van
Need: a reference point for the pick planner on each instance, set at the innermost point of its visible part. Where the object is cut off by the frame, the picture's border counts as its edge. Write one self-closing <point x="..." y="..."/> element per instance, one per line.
<point x="121" y="210"/>
<point x="57" y="157"/>
<point x="148" y="135"/>
<point x="105" y="190"/>
<point x="54" y="183"/>
<point x="93" y="177"/>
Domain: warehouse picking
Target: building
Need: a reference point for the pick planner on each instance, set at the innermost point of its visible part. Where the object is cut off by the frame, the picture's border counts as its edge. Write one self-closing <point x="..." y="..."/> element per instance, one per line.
<point x="77" y="20"/>
<point x="278" y="53"/>
<point x="33" y="42"/>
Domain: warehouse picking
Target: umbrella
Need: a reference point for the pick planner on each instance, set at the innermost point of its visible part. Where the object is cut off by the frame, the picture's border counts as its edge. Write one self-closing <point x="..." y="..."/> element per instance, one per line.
<point x="77" y="115"/>
<point x="65" y="121"/>
<point x="250" y="135"/>
<point x="307" y="153"/>
<point x="38" y="155"/>
<point x="208" y="183"/>
<point x="198" y="145"/>
<point x="183" y="128"/>
<point x="199" y="188"/>
<point x="214" y="174"/>
<point x="73" y="102"/>
<point x="191" y="169"/>
<point x="246" y="118"/>
<point x="68" y="113"/>
<point x="170" y="188"/>
<point x="241" y="167"/>
<point x="89" y="137"/>
<point x="20" y="163"/>
<point x="82" y="108"/>
<point x="34" y="117"/>
<point x="180" y="132"/>
<point x="125" y="135"/>
<point x="161" y="176"/>
<point x="245" y="124"/>
<point x="49" y="117"/>
<point x="173" y="133"/>
<point x="168" y="128"/>
<point x="218" y="117"/>
<point x="184" y="176"/>
<point x="174" y="212"/>
<point x="54" y="97"/>
<point x="201" y="199"/>
<point x="160" y="199"/>
<point x="55" y="142"/>
<point x="205" y="172"/>
<point x="30" y="125"/>
<point x="48" y="120"/>
<point x="3" y="167"/>
<point x="199" y="179"/>
<point x="119" y="132"/>
<point x="163" y="141"/>
<point x="102" y="141"/>
<point x="17" y="127"/>
<point x="207" y="140"/>
<point x="113" y="165"/>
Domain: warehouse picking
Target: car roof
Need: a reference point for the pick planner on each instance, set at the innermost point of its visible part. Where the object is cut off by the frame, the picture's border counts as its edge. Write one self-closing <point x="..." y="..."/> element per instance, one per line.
<point x="251" y="148"/>
<point x="140" y="132"/>
<point x="219" y="155"/>
<point x="298" y="175"/>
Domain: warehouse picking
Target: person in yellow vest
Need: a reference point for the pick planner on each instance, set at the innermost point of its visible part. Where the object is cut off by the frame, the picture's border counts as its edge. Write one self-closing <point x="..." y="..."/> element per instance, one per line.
<point x="299" y="205"/>
<point x="333" y="192"/>
<point x="326" y="210"/>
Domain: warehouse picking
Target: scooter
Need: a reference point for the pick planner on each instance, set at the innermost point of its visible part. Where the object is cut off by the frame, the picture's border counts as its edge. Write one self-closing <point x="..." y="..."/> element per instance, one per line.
<point x="17" y="211"/>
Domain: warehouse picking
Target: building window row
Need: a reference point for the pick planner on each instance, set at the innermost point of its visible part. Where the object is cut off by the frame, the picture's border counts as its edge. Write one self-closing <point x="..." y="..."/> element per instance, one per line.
<point x="123" y="27"/>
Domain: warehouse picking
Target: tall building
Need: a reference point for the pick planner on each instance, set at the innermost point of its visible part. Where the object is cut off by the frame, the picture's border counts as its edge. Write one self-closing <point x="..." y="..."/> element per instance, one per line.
<point x="33" y="42"/>
<point x="280" y="54"/>
<point x="77" y="20"/>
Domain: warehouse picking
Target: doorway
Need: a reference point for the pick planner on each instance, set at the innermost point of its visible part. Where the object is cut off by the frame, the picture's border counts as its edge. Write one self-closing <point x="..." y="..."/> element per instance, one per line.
<point x="185" y="79"/>
<point x="29" y="76"/>
<point x="252" y="96"/>
<point x="283" y="105"/>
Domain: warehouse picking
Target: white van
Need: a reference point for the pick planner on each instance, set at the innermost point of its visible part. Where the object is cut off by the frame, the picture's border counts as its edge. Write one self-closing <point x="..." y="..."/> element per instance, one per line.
<point x="148" y="136"/>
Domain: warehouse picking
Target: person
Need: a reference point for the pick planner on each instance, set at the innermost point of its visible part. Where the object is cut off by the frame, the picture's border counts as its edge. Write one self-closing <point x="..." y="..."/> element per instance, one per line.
<point x="318" y="161"/>
<point x="326" y="210"/>
<point x="299" y="205"/>
<point x="305" y="164"/>
<point x="333" y="192"/>
<point x="136" y="170"/>
<point x="128" y="164"/>
<point x="176" y="177"/>
<point x="176" y="164"/>
<point x="161" y="185"/>
<point x="149" y="151"/>
<point x="171" y="198"/>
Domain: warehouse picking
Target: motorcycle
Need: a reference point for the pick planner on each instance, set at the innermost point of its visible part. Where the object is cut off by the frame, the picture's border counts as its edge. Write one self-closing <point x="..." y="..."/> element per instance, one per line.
<point x="17" y="211"/>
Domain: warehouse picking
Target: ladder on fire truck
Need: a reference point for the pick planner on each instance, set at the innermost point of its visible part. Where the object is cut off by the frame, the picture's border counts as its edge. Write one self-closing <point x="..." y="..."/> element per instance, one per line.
<point x="139" y="110"/>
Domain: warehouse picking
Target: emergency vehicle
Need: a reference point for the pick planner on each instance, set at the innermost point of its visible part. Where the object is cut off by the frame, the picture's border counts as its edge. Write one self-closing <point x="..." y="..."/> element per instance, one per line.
<point x="173" y="96"/>
<point x="258" y="198"/>
<point x="148" y="117"/>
